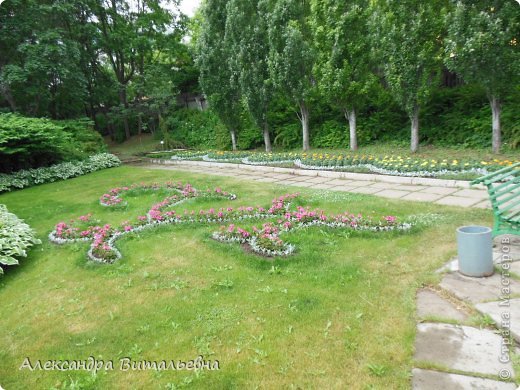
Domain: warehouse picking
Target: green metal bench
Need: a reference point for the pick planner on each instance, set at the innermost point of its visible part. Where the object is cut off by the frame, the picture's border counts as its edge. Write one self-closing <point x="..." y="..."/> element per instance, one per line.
<point x="504" y="192"/>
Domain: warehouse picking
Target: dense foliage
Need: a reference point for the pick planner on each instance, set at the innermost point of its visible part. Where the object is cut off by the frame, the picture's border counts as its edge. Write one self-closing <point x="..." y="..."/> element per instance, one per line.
<point x="31" y="142"/>
<point x="30" y="177"/>
<point x="327" y="59"/>
<point x="119" y="62"/>
<point x="15" y="238"/>
<point x="275" y="73"/>
<point x="482" y="47"/>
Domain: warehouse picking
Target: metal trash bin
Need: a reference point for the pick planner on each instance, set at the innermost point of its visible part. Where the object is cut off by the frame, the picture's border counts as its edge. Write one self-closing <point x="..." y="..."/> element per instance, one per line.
<point x="475" y="249"/>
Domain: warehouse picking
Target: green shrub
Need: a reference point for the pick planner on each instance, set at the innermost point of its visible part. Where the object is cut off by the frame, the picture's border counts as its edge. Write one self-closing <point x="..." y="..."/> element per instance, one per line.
<point x="15" y="238"/>
<point x="288" y="136"/>
<point x="331" y="134"/>
<point x="85" y="140"/>
<point x="32" y="142"/>
<point x="30" y="177"/>
<point x="196" y="129"/>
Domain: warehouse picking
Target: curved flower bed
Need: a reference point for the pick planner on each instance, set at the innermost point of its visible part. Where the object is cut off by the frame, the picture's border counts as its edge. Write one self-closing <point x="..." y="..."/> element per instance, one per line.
<point x="387" y="165"/>
<point x="225" y="156"/>
<point x="265" y="240"/>
<point x="389" y="170"/>
<point x="188" y="155"/>
<point x="270" y="158"/>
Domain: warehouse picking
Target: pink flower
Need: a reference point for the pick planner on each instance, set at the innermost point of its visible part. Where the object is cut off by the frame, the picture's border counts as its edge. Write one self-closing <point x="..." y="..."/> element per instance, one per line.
<point x="390" y="219"/>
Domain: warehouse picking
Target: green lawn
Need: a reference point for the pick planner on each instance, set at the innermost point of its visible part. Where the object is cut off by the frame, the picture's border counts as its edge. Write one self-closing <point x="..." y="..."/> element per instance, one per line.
<point x="340" y="313"/>
<point x="135" y="146"/>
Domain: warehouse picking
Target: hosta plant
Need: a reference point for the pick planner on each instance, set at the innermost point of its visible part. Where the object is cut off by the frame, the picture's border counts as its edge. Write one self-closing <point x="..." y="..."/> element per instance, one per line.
<point x="30" y="177"/>
<point x="16" y="237"/>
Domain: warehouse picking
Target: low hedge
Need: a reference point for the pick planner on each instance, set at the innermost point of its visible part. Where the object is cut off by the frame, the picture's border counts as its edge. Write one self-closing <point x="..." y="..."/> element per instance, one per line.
<point x="30" y="177"/>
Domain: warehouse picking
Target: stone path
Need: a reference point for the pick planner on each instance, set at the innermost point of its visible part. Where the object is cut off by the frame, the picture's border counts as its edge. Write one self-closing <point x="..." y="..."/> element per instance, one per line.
<point x="444" y="192"/>
<point x="451" y="352"/>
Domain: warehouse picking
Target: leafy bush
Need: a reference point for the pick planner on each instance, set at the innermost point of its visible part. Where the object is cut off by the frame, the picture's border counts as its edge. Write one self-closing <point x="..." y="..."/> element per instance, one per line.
<point x="62" y="171"/>
<point x="288" y="136"/>
<point x="197" y="129"/>
<point x="331" y="134"/>
<point x="85" y="141"/>
<point x="15" y="238"/>
<point x="31" y="142"/>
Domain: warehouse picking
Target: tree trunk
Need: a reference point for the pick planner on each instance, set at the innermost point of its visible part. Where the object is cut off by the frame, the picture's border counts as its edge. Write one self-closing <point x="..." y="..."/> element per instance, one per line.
<point x="139" y="124"/>
<point x="350" y="115"/>
<point x="6" y="93"/>
<point x="414" y="141"/>
<point x="267" y="139"/>
<point x="233" y="139"/>
<point x="124" y="102"/>
<point x="304" y="118"/>
<point x="495" y="112"/>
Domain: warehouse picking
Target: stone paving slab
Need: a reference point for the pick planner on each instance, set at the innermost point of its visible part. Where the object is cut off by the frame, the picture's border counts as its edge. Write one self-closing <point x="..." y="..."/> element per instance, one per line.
<point x="479" y="194"/>
<point x="439" y="190"/>
<point x="476" y="290"/>
<point x="392" y="194"/>
<point x="410" y="188"/>
<point x="358" y="183"/>
<point x="506" y="315"/>
<point x="383" y="185"/>
<point x="365" y="190"/>
<point x="345" y="188"/>
<point x="457" y="201"/>
<point x="430" y="304"/>
<point x="282" y="176"/>
<point x="267" y="180"/>
<point x="460" y="348"/>
<point x="298" y="178"/>
<point x="434" y="380"/>
<point x="318" y="180"/>
<point x="422" y="197"/>
<point x="339" y="182"/>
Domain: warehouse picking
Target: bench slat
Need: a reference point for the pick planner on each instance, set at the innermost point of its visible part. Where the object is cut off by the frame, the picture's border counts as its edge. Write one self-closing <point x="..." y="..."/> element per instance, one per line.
<point x="492" y="177"/>
<point x="505" y="200"/>
<point x="504" y="188"/>
<point x="509" y="207"/>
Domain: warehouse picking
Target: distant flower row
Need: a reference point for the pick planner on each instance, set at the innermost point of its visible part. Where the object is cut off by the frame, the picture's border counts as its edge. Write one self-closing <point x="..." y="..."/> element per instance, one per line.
<point x="389" y="165"/>
<point x="30" y="177"/>
<point x="265" y="240"/>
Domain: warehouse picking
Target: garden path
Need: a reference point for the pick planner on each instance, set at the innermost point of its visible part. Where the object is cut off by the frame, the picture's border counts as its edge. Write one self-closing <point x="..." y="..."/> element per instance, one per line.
<point x="439" y="191"/>
<point x="450" y="351"/>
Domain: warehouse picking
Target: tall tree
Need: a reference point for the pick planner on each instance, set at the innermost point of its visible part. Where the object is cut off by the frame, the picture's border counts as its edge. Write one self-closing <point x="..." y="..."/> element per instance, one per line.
<point x="39" y="59"/>
<point x="343" y="67"/>
<point x="407" y="35"/>
<point x="482" y="47"/>
<point x="247" y="30"/>
<point x="215" y="61"/>
<point x="127" y="31"/>
<point x="293" y="55"/>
